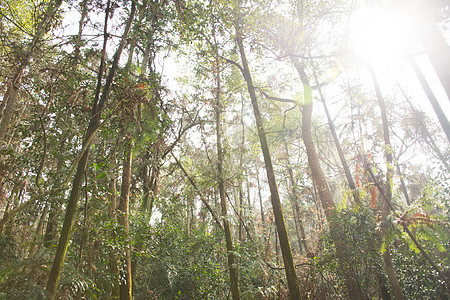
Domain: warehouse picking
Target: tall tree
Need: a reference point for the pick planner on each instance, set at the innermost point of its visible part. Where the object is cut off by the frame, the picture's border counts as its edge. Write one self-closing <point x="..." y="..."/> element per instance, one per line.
<point x="123" y="212"/>
<point x="432" y="98"/>
<point x="348" y="174"/>
<point x="291" y="274"/>
<point x="326" y="199"/>
<point x="97" y="108"/>
<point x="293" y="196"/>
<point x="434" y="43"/>
<point x="223" y="199"/>
<point x="388" y="186"/>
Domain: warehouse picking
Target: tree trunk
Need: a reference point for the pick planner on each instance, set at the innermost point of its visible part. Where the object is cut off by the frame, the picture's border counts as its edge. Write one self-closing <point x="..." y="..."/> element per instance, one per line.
<point x="9" y="101"/>
<point x="38" y="235"/>
<point x="223" y="200"/>
<point x="433" y="41"/>
<point x="291" y="274"/>
<point x="402" y="183"/>
<point x="94" y="123"/>
<point x="113" y="264"/>
<point x="241" y="176"/>
<point x="348" y="174"/>
<point x="388" y="193"/>
<point x="123" y="211"/>
<point x="263" y="219"/>
<point x="326" y="199"/>
<point x="430" y="95"/>
<point x="295" y="203"/>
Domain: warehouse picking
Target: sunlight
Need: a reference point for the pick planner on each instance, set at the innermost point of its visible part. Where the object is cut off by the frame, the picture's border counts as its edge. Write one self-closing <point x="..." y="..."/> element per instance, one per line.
<point x="379" y="33"/>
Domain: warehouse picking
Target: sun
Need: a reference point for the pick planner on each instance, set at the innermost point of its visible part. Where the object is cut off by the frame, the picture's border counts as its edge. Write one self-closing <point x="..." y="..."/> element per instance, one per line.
<point x="379" y="33"/>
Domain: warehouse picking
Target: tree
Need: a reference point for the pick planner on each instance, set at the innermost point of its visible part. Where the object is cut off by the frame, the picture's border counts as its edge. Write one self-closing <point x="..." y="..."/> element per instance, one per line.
<point x="354" y="289"/>
<point x="430" y="95"/>
<point x="427" y="15"/>
<point x="388" y="189"/>
<point x="97" y="108"/>
<point x="123" y="211"/>
<point x="291" y="275"/>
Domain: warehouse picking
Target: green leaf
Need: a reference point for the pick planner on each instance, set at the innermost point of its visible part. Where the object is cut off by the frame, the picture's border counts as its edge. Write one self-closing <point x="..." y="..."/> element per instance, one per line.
<point x="102" y="175"/>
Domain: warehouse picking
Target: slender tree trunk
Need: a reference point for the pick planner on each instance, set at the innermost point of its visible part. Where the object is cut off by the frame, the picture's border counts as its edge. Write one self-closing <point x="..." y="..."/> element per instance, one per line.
<point x="38" y="235"/>
<point x="52" y="224"/>
<point x="202" y="197"/>
<point x="291" y="274"/>
<point x="263" y="219"/>
<point x="241" y="176"/>
<point x="145" y="182"/>
<point x="123" y="212"/>
<point x="326" y="199"/>
<point x="277" y="255"/>
<point x="249" y="205"/>
<point x="295" y="203"/>
<point x="439" y="54"/>
<point x="113" y="263"/>
<point x="402" y="183"/>
<point x="77" y="51"/>
<point x="10" y="99"/>
<point x="223" y="200"/>
<point x="94" y="123"/>
<point x="348" y="174"/>
<point x="418" y="115"/>
<point x="430" y="95"/>
<point x="389" y="176"/>
<point x="433" y="41"/>
<point x="84" y="234"/>
<point x="50" y="231"/>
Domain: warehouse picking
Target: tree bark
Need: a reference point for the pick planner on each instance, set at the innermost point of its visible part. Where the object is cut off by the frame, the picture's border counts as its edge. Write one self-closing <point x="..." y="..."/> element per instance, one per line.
<point x="291" y="274"/>
<point x="113" y="263"/>
<point x="123" y="211"/>
<point x="223" y="200"/>
<point x="241" y="176"/>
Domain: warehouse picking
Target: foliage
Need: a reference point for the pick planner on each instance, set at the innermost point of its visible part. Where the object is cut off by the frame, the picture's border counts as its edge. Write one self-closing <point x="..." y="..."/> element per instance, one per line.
<point x="358" y="228"/>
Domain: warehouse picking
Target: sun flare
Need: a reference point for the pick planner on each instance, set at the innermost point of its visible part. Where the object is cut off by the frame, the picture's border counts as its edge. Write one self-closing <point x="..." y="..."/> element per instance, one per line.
<point x="380" y="33"/>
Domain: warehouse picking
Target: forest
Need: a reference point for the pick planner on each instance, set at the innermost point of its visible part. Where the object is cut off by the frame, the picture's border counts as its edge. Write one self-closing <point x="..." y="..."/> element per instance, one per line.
<point x="215" y="149"/>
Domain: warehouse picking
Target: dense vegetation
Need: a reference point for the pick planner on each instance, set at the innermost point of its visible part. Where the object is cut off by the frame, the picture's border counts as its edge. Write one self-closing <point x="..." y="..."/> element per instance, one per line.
<point x="155" y="149"/>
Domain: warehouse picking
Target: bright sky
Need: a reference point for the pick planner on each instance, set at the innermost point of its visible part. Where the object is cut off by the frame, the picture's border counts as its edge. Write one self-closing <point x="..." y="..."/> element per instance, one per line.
<point x="383" y="35"/>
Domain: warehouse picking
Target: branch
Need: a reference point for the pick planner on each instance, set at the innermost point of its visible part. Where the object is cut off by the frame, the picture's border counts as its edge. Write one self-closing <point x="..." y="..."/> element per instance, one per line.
<point x="205" y="202"/>
<point x="239" y="217"/>
<point x="279" y="99"/>
<point x="233" y="63"/>
<point x="182" y="131"/>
